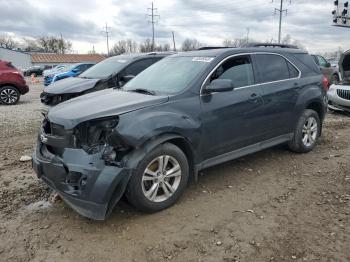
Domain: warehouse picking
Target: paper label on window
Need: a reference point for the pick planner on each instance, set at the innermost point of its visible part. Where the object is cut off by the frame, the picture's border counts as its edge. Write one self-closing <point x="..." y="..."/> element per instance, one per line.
<point x="203" y="59"/>
<point x="122" y="61"/>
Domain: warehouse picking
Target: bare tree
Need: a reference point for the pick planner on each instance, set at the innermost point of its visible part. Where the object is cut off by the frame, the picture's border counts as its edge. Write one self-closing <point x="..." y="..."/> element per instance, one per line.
<point x="238" y="42"/>
<point x="54" y="44"/>
<point x="7" y="41"/>
<point x="124" y="46"/>
<point x="146" y="46"/>
<point x="190" y="44"/>
<point x="288" y="40"/>
<point x="31" y="45"/>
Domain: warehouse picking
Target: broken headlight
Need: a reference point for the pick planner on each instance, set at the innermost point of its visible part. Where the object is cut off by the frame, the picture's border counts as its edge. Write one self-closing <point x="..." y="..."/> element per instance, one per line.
<point x="92" y="136"/>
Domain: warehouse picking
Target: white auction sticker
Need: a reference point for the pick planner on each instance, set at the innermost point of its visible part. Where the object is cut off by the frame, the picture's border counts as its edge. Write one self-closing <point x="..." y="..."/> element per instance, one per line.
<point x="203" y="59"/>
<point x="122" y="61"/>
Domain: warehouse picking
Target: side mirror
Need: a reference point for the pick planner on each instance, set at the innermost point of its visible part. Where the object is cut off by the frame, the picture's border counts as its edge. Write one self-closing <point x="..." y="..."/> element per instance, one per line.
<point x="127" y="78"/>
<point x="219" y="85"/>
<point x="328" y="64"/>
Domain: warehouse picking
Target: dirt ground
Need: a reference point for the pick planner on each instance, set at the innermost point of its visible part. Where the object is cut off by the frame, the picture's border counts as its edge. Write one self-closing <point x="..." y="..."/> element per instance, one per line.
<point x="271" y="206"/>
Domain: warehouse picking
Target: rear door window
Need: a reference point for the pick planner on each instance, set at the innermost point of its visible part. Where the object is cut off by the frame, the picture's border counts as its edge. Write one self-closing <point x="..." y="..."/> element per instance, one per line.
<point x="274" y="68"/>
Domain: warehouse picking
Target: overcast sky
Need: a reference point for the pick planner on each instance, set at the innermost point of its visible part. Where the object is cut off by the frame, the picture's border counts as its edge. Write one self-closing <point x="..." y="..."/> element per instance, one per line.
<point x="210" y="21"/>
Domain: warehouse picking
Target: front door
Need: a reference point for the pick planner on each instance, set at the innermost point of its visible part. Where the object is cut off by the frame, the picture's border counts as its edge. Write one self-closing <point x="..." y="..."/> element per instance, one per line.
<point x="231" y="120"/>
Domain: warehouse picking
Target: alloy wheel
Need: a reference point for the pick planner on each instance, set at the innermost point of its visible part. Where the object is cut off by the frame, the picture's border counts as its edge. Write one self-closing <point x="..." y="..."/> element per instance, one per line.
<point x="161" y="178"/>
<point x="8" y="96"/>
<point x="310" y="132"/>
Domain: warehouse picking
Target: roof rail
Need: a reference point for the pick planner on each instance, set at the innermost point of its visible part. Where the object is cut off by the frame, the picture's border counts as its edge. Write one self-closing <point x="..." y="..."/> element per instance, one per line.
<point x="162" y="53"/>
<point x="213" y="47"/>
<point x="271" y="45"/>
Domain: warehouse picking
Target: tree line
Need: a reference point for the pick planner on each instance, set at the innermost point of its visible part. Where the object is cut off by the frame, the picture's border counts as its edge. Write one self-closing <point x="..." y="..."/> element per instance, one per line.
<point x="49" y="44"/>
<point x="60" y="45"/>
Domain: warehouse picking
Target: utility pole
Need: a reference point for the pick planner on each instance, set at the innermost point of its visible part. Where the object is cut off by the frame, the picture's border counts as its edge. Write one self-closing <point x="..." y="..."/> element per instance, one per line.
<point x="248" y="31"/>
<point x="174" y="40"/>
<point x="107" y="32"/>
<point x="153" y="17"/>
<point x="62" y="43"/>
<point x="281" y="11"/>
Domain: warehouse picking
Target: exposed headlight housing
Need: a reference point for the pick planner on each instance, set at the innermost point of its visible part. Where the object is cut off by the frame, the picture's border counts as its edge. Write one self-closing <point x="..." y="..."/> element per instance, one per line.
<point x="92" y="135"/>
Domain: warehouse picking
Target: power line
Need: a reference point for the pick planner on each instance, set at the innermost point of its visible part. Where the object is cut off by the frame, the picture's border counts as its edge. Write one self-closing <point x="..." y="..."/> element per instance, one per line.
<point x="107" y="32"/>
<point x="153" y="18"/>
<point x="281" y="11"/>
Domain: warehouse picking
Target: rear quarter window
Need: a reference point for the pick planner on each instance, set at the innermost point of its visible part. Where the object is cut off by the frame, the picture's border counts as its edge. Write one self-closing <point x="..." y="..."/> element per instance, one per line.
<point x="272" y="68"/>
<point x="306" y="64"/>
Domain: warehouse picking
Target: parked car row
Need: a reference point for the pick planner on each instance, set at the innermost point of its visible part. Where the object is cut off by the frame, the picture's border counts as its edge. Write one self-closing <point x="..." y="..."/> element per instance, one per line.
<point x="112" y="72"/>
<point x="65" y="72"/>
<point x="146" y="138"/>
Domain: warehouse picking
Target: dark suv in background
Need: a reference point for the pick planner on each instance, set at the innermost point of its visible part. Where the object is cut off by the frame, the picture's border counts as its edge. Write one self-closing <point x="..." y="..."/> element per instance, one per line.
<point x="185" y="113"/>
<point x="112" y="72"/>
<point x="332" y="73"/>
<point x="12" y="84"/>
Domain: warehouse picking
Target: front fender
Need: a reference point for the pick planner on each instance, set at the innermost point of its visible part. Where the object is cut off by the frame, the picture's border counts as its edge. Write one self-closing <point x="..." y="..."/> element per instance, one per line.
<point x="138" y="127"/>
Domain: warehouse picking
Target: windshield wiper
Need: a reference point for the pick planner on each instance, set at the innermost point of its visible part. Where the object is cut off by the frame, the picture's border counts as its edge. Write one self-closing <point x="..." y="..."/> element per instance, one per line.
<point x="143" y="91"/>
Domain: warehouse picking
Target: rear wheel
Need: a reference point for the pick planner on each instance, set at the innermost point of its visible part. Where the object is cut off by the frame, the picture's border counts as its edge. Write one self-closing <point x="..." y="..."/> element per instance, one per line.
<point x="306" y="133"/>
<point x="159" y="180"/>
<point x="9" y="95"/>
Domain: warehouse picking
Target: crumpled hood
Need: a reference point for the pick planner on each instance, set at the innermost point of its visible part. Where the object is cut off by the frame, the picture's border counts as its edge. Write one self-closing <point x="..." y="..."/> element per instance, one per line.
<point x="344" y="66"/>
<point x="71" y="85"/>
<point x="108" y="102"/>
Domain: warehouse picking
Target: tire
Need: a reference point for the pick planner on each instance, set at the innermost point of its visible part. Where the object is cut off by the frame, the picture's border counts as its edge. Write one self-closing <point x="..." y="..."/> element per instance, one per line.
<point x="9" y="95"/>
<point x="306" y="133"/>
<point x="139" y="190"/>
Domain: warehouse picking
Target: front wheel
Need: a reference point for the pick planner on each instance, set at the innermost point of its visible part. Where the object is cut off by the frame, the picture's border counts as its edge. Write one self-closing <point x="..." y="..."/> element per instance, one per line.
<point x="159" y="179"/>
<point x="9" y="95"/>
<point x="306" y="133"/>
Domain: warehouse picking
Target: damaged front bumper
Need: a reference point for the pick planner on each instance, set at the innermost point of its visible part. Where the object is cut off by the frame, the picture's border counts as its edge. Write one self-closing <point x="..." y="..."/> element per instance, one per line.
<point x="84" y="181"/>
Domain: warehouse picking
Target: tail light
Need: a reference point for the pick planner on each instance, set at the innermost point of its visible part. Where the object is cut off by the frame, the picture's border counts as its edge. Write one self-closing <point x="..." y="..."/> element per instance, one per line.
<point x="325" y="83"/>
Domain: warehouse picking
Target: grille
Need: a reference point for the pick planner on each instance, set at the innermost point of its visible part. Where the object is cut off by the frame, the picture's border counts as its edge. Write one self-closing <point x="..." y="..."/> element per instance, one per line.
<point x="345" y="94"/>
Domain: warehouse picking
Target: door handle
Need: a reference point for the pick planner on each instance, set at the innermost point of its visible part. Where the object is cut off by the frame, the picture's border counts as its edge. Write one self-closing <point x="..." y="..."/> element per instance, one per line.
<point x="254" y="98"/>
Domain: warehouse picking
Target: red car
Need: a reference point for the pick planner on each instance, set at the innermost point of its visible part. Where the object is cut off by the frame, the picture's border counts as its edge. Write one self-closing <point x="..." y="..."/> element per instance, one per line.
<point x="12" y="84"/>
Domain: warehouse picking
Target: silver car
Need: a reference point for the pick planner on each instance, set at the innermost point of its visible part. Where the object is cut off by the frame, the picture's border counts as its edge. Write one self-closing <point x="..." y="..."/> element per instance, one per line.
<point x="339" y="94"/>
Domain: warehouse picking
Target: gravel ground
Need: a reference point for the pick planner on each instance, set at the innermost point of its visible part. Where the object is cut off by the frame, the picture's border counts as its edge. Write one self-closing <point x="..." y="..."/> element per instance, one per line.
<point x="270" y="206"/>
<point x="24" y="117"/>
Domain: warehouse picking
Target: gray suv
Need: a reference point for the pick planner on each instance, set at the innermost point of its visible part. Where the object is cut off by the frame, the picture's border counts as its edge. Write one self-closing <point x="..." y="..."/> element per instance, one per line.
<point x="183" y="114"/>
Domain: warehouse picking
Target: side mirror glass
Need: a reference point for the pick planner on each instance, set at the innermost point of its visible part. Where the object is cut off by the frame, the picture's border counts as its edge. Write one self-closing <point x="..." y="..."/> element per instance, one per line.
<point x="219" y="85"/>
<point x="328" y="64"/>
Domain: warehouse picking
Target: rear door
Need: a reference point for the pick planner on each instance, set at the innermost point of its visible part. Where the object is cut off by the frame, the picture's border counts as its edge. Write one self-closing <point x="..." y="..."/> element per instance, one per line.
<point x="279" y="82"/>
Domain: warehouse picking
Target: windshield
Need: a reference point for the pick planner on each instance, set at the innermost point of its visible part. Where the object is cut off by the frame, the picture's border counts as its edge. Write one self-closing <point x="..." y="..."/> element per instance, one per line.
<point x="106" y="67"/>
<point x="171" y="75"/>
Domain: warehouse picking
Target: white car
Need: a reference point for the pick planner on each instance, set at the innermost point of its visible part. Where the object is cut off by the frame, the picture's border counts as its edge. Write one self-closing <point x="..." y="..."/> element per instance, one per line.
<point x="54" y="70"/>
<point x="339" y="94"/>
